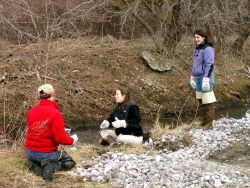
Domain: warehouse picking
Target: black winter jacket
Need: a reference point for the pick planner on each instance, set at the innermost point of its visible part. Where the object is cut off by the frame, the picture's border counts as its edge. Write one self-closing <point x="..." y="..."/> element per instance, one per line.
<point x="131" y="115"/>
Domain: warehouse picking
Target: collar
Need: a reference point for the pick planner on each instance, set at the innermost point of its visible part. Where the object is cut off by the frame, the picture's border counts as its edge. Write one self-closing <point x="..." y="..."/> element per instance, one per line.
<point x="48" y="102"/>
<point x="202" y="46"/>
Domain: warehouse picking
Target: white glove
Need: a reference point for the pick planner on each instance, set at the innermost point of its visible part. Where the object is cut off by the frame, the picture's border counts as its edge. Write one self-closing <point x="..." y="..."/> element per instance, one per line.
<point x="119" y="123"/>
<point x="193" y="82"/>
<point x="205" y="84"/>
<point x="67" y="130"/>
<point x="75" y="137"/>
<point x="104" y="124"/>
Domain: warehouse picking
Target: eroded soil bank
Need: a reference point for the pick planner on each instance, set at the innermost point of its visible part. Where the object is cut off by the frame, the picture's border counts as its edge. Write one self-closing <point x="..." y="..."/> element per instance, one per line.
<point x="85" y="73"/>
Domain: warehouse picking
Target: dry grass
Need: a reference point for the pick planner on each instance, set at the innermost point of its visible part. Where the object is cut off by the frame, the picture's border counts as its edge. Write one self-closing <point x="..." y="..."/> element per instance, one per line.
<point x="132" y="149"/>
<point x="187" y="127"/>
<point x="185" y="140"/>
<point x="158" y="130"/>
<point x="87" y="151"/>
<point x="12" y="170"/>
<point x="13" y="173"/>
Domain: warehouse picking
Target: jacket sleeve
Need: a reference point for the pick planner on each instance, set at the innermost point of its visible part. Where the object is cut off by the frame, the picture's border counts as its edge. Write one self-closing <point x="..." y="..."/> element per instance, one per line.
<point x="194" y="57"/>
<point x="111" y="117"/>
<point x="134" y="118"/>
<point x="58" y="131"/>
<point x="208" y="61"/>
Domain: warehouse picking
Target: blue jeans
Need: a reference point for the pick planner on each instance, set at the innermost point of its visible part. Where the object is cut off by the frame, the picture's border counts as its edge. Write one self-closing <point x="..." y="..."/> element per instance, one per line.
<point x="199" y="83"/>
<point x="40" y="156"/>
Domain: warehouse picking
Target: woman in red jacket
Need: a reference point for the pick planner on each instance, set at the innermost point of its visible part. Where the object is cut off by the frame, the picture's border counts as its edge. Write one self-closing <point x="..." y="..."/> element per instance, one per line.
<point x="45" y="132"/>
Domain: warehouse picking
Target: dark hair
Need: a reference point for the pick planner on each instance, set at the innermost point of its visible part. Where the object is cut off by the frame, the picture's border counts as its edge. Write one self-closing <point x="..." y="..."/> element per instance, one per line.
<point x="124" y="91"/>
<point x="44" y="95"/>
<point x="206" y="34"/>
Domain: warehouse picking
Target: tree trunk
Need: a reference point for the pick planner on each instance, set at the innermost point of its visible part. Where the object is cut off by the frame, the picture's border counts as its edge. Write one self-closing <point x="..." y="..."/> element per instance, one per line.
<point x="174" y="29"/>
<point x="238" y="44"/>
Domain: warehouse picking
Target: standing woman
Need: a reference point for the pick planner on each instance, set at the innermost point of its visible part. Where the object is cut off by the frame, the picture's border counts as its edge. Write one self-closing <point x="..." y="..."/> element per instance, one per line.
<point x="123" y="124"/>
<point x="202" y="76"/>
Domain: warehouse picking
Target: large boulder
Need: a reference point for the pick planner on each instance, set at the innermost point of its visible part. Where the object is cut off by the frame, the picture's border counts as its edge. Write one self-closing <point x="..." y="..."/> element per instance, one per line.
<point x="156" y="62"/>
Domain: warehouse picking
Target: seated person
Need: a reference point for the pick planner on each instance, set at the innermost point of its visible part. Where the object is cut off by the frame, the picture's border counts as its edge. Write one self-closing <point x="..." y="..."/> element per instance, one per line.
<point x="125" y="118"/>
<point x="45" y="132"/>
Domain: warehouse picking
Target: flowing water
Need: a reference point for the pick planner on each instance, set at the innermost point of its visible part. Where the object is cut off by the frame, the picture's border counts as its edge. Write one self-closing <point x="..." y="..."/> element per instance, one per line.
<point x="225" y="110"/>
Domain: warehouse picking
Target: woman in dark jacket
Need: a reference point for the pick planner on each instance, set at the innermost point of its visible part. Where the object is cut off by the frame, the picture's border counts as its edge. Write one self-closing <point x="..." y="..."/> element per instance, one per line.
<point x="125" y="119"/>
<point x="202" y="75"/>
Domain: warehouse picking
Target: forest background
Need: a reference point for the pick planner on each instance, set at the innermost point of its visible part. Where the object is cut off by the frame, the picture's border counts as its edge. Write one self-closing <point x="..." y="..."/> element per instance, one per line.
<point x="87" y="48"/>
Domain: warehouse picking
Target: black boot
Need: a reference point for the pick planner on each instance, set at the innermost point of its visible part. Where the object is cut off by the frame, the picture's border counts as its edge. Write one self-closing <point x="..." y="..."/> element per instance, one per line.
<point x="103" y="142"/>
<point x="147" y="136"/>
<point x="208" y="115"/>
<point x="66" y="162"/>
<point x="49" y="168"/>
<point x="34" y="167"/>
<point x="110" y="140"/>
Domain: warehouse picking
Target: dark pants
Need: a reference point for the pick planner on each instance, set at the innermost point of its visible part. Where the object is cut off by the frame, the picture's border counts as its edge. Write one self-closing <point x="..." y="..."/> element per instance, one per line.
<point x="207" y="114"/>
<point x="60" y="159"/>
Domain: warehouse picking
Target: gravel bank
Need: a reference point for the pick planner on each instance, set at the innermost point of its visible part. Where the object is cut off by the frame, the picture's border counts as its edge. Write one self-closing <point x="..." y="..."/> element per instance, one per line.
<point x="187" y="167"/>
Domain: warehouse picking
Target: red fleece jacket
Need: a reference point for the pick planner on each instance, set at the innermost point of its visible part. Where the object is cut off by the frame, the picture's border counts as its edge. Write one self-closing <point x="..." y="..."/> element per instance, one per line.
<point x="46" y="128"/>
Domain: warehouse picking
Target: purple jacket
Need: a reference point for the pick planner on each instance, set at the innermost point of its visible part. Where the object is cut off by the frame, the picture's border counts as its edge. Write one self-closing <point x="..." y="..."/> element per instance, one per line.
<point x="203" y="60"/>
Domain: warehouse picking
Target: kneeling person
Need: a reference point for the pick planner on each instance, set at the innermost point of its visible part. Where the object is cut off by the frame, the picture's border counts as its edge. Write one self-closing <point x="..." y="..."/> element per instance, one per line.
<point x="125" y="119"/>
<point x="45" y="132"/>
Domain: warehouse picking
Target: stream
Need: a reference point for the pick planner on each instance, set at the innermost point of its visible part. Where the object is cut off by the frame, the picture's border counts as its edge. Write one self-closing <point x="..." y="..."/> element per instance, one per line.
<point x="237" y="155"/>
<point x="89" y="133"/>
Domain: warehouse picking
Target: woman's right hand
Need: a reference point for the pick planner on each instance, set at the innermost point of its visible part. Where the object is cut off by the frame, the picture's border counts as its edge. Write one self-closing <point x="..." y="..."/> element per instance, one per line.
<point x="193" y="82"/>
<point x="104" y="124"/>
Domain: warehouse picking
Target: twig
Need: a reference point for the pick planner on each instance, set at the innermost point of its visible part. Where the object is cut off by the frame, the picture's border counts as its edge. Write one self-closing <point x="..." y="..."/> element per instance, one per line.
<point x="4" y="113"/>
<point x="38" y="75"/>
<point x="47" y="77"/>
<point x="182" y="108"/>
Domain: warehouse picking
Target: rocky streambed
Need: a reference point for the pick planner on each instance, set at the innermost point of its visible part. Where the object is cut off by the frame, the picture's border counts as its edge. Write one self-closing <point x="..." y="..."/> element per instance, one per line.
<point x="187" y="167"/>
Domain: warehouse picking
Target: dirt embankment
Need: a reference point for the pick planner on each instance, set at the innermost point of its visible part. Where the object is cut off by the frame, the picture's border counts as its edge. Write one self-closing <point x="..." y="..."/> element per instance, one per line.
<point x="85" y="73"/>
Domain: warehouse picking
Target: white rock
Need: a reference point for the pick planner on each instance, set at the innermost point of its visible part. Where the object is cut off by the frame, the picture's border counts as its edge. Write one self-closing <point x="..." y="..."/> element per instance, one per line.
<point x="217" y="183"/>
<point x="186" y="167"/>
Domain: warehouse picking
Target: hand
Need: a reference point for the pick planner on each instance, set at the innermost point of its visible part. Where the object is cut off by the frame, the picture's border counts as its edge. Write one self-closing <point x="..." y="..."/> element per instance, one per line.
<point x="104" y="124"/>
<point x="67" y="130"/>
<point x="119" y="124"/>
<point x="75" y="137"/>
<point x="205" y="84"/>
<point x="193" y="82"/>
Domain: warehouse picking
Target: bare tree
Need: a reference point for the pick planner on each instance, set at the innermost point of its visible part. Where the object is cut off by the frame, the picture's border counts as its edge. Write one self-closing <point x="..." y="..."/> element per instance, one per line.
<point x="165" y="21"/>
<point x="27" y="20"/>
